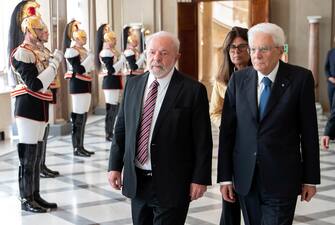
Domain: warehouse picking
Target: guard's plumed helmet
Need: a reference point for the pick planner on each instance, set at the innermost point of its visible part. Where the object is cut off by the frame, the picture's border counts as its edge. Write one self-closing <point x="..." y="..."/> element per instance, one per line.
<point x="29" y="9"/>
<point x="30" y="23"/>
<point x="74" y="33"/>
<point x="109" y="36"/>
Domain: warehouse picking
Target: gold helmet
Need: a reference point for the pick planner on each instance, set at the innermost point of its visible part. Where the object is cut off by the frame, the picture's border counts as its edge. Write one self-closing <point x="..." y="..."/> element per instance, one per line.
<point x="29" y="9"/>
<point x="109" y="36"/>
<point x="79" y="35"/>
<point x="30" y="23"/>
<point x="74" y="33"/>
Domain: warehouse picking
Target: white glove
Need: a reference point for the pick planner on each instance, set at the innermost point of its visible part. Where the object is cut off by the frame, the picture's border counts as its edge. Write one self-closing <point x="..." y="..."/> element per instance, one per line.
<point x="47" y="76"/>
<point x="141" y="60"/>
<point x="123" y="58"/>
<point x="128" y="52"/>
<point x="54" y="63"/>
<point x="119" y="64"/>
<point x="88" y="63"/>
<point x="58" y="55"/>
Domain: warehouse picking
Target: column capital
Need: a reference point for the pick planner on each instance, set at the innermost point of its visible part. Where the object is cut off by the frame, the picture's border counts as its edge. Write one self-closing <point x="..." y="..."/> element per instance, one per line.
<point x="313" y="19"/>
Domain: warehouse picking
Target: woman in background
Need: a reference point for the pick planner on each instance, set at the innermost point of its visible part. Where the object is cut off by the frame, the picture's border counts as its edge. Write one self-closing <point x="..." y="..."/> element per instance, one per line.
<point x="235" y="57"/>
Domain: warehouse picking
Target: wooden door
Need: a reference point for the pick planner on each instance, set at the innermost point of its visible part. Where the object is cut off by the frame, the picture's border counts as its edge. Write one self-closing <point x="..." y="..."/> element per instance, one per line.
<point x="188" y="36"/>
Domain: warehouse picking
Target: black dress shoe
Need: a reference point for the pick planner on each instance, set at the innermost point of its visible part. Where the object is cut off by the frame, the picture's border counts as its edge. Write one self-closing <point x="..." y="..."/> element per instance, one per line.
<point x="89" y="152"/>
<point x="54" y="172"/>
<point x="46" y="174"/>
<point x="32" y="206"/>
<point x="78" y="152"/>
<point x="43" y="203"/>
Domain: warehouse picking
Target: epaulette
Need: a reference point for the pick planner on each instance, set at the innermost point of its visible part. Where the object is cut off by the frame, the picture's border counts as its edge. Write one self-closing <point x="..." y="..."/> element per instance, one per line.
<point x="70" y="53"/>
<point x="129" y="52"/>
<point x="106" y="53"/>
<point x="25" y="55"/>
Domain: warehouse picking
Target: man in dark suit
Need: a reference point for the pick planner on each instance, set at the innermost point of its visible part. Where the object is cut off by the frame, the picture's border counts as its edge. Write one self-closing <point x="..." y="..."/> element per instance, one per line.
<point x="162" y="140"/>
<point x="330" y="73"/>
<point x="268" y="147"/>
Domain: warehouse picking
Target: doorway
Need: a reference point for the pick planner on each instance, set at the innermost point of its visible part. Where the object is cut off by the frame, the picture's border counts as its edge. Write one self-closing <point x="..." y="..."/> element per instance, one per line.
<point x="202" y="27"/>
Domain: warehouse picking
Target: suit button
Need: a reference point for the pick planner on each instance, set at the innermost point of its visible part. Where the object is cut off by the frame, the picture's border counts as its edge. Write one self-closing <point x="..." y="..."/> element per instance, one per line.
<point x="153" y="165"/>
<point x="255" y="153"/>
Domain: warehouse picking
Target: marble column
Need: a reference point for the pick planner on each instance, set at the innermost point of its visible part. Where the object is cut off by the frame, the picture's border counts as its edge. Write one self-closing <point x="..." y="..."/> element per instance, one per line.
<point x="59" y="119"/>
<point x="313" y="49"/>
<point x="206" y="47"/>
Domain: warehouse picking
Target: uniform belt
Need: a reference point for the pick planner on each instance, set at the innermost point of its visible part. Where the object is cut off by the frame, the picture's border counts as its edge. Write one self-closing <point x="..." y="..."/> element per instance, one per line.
<point x="145" y="173"/>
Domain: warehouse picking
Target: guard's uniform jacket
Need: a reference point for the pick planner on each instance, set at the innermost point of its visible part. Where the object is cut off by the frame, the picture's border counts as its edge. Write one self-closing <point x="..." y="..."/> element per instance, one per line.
<point x="132" y="67"/>
<point x="31" y="102"/>
<point x="80" y="79"/>
<point x="111" y="79"/>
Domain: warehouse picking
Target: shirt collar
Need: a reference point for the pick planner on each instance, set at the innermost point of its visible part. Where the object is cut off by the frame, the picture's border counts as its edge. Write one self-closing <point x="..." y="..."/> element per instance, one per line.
<point x="162" y="81"/>
<point x="272" y="75"/>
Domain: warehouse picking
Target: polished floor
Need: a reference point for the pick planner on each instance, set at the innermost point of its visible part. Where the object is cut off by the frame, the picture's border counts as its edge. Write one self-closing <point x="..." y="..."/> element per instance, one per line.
<point x="85" y="197"/>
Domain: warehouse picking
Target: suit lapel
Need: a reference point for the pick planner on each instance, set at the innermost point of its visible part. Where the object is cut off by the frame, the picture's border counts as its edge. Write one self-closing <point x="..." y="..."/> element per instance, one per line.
<point x="250" y="88"/>
<point x="281" y="83"/>
<point x="139" y="89"/>
<point x="169" y="99"/>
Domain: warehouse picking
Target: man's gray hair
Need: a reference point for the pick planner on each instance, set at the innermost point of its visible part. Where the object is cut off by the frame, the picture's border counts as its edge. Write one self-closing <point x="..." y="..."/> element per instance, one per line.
<point x="174" y="39"/>
<point x="272" y="29"/>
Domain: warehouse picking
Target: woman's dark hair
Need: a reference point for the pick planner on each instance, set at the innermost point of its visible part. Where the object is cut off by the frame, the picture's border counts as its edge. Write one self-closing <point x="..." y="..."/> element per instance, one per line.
<point x="227" y="66"/>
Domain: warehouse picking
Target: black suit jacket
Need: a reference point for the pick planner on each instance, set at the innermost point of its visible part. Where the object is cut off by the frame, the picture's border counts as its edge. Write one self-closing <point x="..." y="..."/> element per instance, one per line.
<point x="181" y="146"/>
<point x="284" y="143"/>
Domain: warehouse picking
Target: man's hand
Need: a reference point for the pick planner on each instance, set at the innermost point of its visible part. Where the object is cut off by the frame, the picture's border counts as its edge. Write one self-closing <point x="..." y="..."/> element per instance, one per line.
<point x="197" y="191"/>
<point x="227" y="192"/>
<point x="114" y="178"/>
<point x="325" y="142"/>
<point x="308" y="191"/>
<point x="331" y="79"/>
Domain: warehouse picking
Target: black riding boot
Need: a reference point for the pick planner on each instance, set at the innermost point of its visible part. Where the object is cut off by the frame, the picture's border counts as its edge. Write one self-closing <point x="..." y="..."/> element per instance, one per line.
<point x="37" y="196"/>
<point x="83" y="135"/>
<point x="77" y="120"/>
<point x="27" y="155"/>
<point x="112" y="111"/>
<point x="108" y="129"/>
<point x="45" y="171"/>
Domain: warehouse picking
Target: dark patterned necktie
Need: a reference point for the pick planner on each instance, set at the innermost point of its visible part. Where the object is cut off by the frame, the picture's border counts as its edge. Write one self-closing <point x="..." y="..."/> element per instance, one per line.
<point x="264" y="96"/>
<point x="144" y="132"/>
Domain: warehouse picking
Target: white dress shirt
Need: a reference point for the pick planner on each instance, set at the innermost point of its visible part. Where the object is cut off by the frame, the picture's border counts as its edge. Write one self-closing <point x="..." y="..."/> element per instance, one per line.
<point x="162" y="88"/>
<point x="260" y="84"/>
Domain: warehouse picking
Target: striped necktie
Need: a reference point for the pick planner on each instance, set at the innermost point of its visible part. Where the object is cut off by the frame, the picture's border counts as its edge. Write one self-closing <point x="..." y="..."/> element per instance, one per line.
<point x="144" y="131"/>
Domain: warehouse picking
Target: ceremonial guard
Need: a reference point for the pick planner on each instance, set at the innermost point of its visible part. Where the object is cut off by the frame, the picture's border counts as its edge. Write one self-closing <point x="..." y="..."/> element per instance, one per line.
<point x="135" y="59"/>
<point x="109" y="62"/>
<point x="80" y="64"/>
<point x="32" y="96"/>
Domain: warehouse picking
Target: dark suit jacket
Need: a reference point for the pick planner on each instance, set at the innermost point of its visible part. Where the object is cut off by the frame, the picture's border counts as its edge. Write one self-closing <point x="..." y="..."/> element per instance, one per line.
<point x="181" y="146"/>
<point x="330" y="126"/>
<point x="284" y="143"/>
<point x="330" y="63"/>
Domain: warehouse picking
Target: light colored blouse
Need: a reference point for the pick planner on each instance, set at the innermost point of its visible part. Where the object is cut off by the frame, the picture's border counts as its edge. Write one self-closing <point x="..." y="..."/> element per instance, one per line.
<point x="216" y="105"/>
